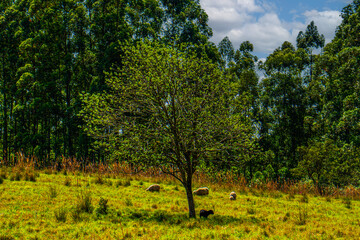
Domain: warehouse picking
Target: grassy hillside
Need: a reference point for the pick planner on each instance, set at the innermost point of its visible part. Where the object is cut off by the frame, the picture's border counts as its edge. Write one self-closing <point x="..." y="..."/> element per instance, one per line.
<point x="52" y="205"/>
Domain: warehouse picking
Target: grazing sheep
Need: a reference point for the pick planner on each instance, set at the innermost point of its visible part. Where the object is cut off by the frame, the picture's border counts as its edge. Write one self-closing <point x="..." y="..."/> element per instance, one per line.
<point x="232" y="196"/>
<point x="205" y="214"/>
<point x="154" y="188"/>
<point x="202" y="191"/>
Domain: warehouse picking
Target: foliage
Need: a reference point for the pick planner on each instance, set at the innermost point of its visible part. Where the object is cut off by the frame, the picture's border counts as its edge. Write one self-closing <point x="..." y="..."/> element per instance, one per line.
<point x="226" y="51"/>
<point x="269" y="172"/>
<point x="282" y="105"/>
<point x="326" y="163"/>
<point x="168" y="109"/>
<point x="339" y="75"/>
<point x="310" y="39"/>
<point x="330" y="157"/>
<point x="51" y="51"/>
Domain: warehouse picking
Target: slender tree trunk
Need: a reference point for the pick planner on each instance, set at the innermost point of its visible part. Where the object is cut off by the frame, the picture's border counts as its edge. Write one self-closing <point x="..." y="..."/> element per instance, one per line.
<point x="68" y="117"/>
<point x="190" y="198"/>
<point x="68" y="76"/>
<point x="311" y="63"/>
<point x="5" y="126"/>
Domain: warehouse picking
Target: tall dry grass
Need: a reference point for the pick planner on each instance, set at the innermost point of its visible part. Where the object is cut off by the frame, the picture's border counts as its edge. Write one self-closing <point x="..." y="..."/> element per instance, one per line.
<point x="24" y="168"/>
<point x="26" y="165"/>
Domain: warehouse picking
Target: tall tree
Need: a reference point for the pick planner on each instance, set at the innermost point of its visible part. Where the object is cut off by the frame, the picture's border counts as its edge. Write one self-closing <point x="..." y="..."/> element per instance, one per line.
<point x="168" y="109"/>
<point x="108" y="28"/>
<point x="338" y="71"/>
<point x="145" y="19"/>
<point x="309" y="41"/>
<point x="185" y="21"/>
<point x="282" y="106"/>
<point x="55" y="60"/>
<point x="52" y="50"/>
<point x="244" y="69"/>
<point x="14" y="28"/>
<point x="227" y="51"/>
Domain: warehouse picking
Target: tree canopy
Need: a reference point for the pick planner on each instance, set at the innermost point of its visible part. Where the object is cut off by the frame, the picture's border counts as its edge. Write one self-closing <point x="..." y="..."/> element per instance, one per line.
<point x="169" y="109"/>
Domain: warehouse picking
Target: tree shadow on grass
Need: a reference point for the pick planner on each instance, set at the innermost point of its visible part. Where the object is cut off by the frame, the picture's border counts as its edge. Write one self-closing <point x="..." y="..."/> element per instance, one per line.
<point x="223" y="220"/>
<point x="157" y="216"/>
<point x="165" y="217"/>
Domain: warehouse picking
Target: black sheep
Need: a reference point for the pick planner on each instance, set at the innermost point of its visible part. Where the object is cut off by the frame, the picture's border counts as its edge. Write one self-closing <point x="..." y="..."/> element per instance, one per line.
<point x="205" y="214"/>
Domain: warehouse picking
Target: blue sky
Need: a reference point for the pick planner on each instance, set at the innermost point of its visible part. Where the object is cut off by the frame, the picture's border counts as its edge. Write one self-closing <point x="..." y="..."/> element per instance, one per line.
<point x="268" y="23"/>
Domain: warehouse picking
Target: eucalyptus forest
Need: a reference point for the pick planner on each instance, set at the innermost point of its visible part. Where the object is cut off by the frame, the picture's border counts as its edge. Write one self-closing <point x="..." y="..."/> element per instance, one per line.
<point x="105" y="81"/>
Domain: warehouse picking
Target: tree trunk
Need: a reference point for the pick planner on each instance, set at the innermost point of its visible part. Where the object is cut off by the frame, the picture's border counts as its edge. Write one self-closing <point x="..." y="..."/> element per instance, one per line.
<point x="5" y="127"/>
<point x="190" y="199"/>
<point x="311" y="63"/>
<point x="5" y="117"/>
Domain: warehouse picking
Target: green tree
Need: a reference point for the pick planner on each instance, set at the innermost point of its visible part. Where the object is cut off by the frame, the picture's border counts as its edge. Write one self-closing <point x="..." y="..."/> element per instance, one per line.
<point x="167" y="109"/>
<point x="10" y="22"/>
<point x="338" y="74"/>
<point x="333" y="109"/>
<point x="52" y="50"/>
<point x="226" y="50"/>
<point x="145" y="19"/>
<point x="244" y="69"/>
<point x="325" y="163"/>
<point x="309" y="41"/>
<point x="107" y="29"/>
<point x="46" y="77"/>
<point x="185" y="22"/>
<point x="55" y="67"/>
<point x="282" y="104"/>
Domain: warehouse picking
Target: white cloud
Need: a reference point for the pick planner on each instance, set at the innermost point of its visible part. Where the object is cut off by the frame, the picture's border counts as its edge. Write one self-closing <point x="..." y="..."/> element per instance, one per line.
<point x="257" y="22"/>
<point x="249" y="5"/>
<point x="266" y="33"/>
<point x="237" y="19"/>
<point x="224" y="15"/>
<point x="225" y="19"/>
<point x="326" y="21"/>
<point x="239" y="5"/>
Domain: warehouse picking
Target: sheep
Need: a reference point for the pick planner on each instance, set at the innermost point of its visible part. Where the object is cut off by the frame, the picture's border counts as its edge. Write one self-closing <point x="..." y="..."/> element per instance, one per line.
<point x="232" y="196"/>
<point x="202" y="191"/>
<point x="153" y="188"/>
<point x="205" y="214"/>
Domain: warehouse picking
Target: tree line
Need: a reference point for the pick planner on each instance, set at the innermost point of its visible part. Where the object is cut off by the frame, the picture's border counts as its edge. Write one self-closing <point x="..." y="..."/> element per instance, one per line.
<point x="66" y="75"/>
<point x="52" y="51"/>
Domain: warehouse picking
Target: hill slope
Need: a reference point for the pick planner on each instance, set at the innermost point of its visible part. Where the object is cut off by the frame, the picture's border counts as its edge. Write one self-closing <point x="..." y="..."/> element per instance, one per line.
<point x="54" y="206"/>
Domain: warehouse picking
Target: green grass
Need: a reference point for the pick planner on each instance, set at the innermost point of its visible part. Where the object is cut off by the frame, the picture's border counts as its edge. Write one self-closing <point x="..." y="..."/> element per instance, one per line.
<point x="49" y="208"/>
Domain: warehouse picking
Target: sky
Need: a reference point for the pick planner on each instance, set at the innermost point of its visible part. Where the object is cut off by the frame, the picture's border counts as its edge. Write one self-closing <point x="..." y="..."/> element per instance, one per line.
<point x="268" y="23"/>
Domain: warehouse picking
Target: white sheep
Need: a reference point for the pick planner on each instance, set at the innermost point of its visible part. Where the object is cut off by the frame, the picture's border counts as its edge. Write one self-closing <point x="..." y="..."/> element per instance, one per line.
<point x="232" y="196"/>
<point x="202" y="191"/>
<point x="153" y="188"/>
